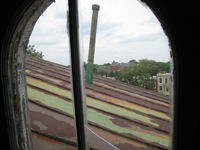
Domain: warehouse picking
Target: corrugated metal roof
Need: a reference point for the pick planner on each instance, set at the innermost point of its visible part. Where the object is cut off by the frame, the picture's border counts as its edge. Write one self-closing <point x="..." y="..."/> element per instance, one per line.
<point x="125" y="116"/>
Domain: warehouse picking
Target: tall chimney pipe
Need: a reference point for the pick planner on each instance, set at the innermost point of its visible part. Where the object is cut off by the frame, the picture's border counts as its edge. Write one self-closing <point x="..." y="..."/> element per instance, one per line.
<point x="89" y="72"/>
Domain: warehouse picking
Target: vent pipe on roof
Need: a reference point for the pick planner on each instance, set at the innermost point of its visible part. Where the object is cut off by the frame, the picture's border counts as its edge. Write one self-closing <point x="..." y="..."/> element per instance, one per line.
<point x="89" y="72"/>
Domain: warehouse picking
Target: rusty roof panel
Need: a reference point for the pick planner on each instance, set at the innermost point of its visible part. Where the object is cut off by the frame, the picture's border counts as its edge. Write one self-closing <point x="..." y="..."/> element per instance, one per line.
<point x="54" y="123"/>
<point x="111" y="92"/>
<point x="57" y="86"/>
<point x="41" y="142"/>
<point x="130" y="89"/>
<point x="129" y="98"/>
<point x="135" y="88"/>
<point x="138" y="95"/>
<point x="117" y="113"/>
<point x="104" y="106"/>
<point x="61" y="68"/>
<point x="130" y="93"/>
<point x="101" y="119"/>
<point x="50" y="68"/>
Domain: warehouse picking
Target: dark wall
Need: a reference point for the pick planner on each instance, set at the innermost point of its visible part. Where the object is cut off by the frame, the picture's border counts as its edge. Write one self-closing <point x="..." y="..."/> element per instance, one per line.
<point x="7" y="11"/>
<point x="182" y="18"/>
<point x="182" y="22"/>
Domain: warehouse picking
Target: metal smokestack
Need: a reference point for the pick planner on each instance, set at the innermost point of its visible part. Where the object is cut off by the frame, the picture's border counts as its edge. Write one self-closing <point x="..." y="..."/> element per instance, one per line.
<point x="89" y="73"/>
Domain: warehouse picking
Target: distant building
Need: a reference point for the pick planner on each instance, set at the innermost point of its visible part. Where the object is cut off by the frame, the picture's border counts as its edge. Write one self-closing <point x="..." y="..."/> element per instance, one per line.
<point x="163" y="84"/>
<point x="115" y="66"/>
<point x="105" y="68"/>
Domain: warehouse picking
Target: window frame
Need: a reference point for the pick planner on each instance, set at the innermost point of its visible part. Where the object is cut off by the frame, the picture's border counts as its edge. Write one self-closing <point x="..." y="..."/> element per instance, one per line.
<point x="14" y="29"/>
<point x="167" y="89"/>
<point x="77" y="67"/>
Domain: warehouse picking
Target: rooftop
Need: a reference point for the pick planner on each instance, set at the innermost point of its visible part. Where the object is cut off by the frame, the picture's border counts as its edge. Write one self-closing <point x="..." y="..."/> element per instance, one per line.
<point x="125" y="116"/>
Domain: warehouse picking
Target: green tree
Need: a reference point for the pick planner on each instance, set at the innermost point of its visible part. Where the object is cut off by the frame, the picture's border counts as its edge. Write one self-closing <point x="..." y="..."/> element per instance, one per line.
<point x="30" y="50"/>
<point x="102" y="72"/>
<point x="111" y="74"/>
<point x="163" y="66"/>
<point x="134" y="61"/>
<point x="138" y="75"/>
<point x="95" y="66"/>
<point x="162" y="72"/>
<point x="106" y="64"/>
<point x="118" y="75"/>
<point x="150" y="65"/>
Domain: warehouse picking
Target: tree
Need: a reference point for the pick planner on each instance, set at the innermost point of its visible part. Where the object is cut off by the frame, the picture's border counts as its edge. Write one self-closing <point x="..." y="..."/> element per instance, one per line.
<point x="118" y="76"/>
<point x="163" y="66"/>
<point x="134" y="61"/>
<point x="138" y="75"/>
<point x="106" y="64"/>
<point x="150" y="65"/>
<point x="111" y="74"/>
<point x="30" y="50"/>
<point x="95" y="66"/>
<point x="102" y="72"/>
<point x="162" y="72"/>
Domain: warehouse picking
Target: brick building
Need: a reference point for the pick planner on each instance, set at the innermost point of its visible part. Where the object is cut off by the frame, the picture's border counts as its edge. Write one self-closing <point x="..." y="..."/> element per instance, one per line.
<point x="115" y="66"/>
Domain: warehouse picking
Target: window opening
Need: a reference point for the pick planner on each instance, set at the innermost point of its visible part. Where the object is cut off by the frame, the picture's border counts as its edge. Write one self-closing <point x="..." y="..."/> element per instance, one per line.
<point x="48" y="82"/>
<point x="116" y="82"/>
<point x="103" y="104"/>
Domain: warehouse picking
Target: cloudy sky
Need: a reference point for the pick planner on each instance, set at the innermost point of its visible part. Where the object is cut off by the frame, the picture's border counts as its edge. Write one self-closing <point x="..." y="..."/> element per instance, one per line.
<point x="126" y="30"/>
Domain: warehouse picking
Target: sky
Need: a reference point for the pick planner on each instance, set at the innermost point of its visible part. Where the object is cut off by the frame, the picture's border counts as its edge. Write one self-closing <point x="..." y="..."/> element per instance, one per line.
<point x="126" y="30"/>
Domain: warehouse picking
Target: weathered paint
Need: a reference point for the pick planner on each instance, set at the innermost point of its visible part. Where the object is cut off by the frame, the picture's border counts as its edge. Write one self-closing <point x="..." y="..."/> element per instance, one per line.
<point x="133" y="94"/>
<point x="131" y="88"/>
<point x="55" y="119"/>
<point x="52" y="123"/>
<point x="128" y="105"/>
<point x="97" y="95"/>
<point x="115" y="84"/>
<point x="43" y="76"/>
<point x="128" y="130"/>
<point x="51" y="88"/>
<point x="98" y="118"/>
<point x="120" y="142"/>
<point x="95" y="103"/>
<point x="42" y="142"/>
<point x="128" y="98"/>
<point x="104" y="91"/>
<point x="120" y="116"/>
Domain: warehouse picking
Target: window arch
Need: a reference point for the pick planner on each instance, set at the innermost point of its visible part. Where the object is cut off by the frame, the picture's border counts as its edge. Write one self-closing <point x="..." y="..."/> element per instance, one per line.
<point x="16" y="61"/>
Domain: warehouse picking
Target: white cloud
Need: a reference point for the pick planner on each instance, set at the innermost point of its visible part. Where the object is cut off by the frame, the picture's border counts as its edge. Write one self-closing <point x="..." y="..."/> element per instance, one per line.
<point x="126" y="30"/>
<point x="50" y="35"/>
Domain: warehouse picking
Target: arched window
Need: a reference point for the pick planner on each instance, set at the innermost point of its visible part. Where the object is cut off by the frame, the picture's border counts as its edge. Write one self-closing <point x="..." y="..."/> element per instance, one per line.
<point x="75" y="58"/>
